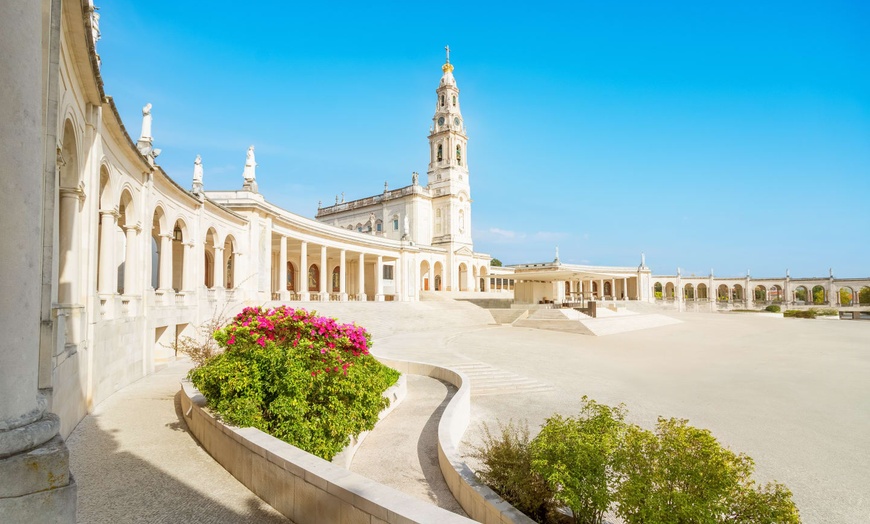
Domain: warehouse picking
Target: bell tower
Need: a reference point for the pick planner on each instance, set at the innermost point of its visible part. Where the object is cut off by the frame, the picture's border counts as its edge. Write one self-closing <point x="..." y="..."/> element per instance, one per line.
<point x="448" y="165"/>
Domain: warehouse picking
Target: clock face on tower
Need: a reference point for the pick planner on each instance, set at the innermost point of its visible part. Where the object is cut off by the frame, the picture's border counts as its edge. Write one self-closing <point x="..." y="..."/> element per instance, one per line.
<point x="441" y="121"/>
<point x="456" y="121"/>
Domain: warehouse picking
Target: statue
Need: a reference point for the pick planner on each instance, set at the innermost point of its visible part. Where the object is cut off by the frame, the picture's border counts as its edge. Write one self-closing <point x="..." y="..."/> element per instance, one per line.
<point x="336" y="199"/>
<point x="386" y="187"/>
<point x="95" y="25"/>
<point x="197" y="170"/>
<point x="342" y="197"/>
<point x="557" y="255"/>
<point x="250" y="166"/>
<point x="146" y="123"/>
<point x="372" y="221"/>
<point x="415" y="178"/>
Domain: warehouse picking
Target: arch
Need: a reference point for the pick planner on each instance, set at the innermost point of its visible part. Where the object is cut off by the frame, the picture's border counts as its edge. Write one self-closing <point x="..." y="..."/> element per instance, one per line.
<point x="819" y="295"/>
<point x="336" y="279"/>
<point x="801" y="294"/>
<point x="760" y="293"/>
<point x="483" y="275"/>
<point x="702" y="291"/>
<point x="359" y="227"/>
<point x="458" y="154"/>
<point x="229" y="262"/>
<point x="689" y="292"/>
<point x="123" y="250"/>
<point x="291" y="276"/>
<point x="658" y="290"/>
<point x="722" y="293"/>
<point x="425" y="277"/>
<point x="379" y="225"/>
<point x="846" y="295"/>
<point x="160" y="250"/>
<point x="864" y="295"/>
<point x="737" y="292"/>
<point x="179" y="261"/>
<point x="775" y="293"/>
<point x="108" y="221"/>
<point x="670" y="290"/>
<point x="438" y="278"/>
<point x="608" y="289"/>
<point x="462" y="271"/>
<point x="440" y="155"/>
<point x="70" y="199"/>
<point x="314" y="278"/>
<point x="210" y="244"/>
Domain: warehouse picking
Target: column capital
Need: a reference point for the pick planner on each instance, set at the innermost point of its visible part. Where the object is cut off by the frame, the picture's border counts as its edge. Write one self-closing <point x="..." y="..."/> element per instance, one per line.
<point x="77" y="192"/>
<point x="136" y="228"/>
<point x="113" y="212"/>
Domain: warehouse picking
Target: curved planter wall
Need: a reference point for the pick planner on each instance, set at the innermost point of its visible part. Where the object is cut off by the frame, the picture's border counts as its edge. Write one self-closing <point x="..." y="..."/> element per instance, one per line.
<point x="308" y="489"/>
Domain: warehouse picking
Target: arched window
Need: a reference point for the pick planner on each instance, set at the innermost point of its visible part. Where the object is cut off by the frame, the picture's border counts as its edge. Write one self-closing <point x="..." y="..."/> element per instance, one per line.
<point x="336" y="279"/>
<point x="313" y="278"/>
<point x="454" y="100"/>
<point x="440" y="152"/>
<point x="442" y="100"/>
<point x="459" y="155"/>
<point x="291" y="277"/>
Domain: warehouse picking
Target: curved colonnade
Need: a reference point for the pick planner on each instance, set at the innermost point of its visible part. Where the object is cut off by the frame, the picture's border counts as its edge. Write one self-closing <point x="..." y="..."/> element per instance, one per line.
<point x="747" y="292"/>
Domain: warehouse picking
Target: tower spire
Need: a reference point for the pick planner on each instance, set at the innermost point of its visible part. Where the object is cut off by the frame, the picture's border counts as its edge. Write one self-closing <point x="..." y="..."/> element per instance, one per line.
<point x="447" y="67"/>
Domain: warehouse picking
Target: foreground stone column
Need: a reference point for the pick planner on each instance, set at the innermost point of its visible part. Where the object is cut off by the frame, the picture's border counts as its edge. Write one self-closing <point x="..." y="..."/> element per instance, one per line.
<point x="219" y="267"/>
<point x="362" y="277"/>
<point x="303" y="272"/>
<point x="283" y="294"/>
<point x="342" y="275"/>
<point x="107" y="278"/>
<point x="35" y="482"/>
<point x="325" y="276"/>
<point x="379" y="279"/>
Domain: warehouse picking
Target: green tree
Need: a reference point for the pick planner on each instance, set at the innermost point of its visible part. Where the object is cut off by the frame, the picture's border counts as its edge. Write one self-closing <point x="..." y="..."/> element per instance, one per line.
<point x="495" y="262"/>
<point x="845" y="296"/>
<point x="680" y="474"/>
<point x="576" y="455"/>
<point x="864" y="295"/>
<point x="800" y="294"/>
<point x="818" y="295"/>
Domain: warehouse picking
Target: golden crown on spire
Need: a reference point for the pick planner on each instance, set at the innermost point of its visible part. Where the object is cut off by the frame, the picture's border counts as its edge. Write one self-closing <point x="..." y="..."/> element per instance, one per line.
<point x="447" y="67"/>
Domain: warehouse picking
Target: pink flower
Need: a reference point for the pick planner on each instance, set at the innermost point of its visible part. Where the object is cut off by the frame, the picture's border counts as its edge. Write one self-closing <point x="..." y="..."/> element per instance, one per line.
<point x="231" y="340"/>
<point x="262" y="341"/>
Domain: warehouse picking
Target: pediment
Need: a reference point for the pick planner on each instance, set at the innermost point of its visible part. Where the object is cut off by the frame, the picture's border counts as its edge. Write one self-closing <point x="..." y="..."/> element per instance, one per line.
<point x="464" y="251"/>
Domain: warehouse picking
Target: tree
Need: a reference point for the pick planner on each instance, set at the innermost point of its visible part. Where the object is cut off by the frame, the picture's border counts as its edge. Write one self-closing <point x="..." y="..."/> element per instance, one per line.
<point x="575" y="455"/>
<point x="800" y="294"/>
<point x="845" y="296"/>
<point x="864" y="295"/>
<point x="681" y="474"/>
<point x="495" y="262"/>
<point x="818" y="295"/>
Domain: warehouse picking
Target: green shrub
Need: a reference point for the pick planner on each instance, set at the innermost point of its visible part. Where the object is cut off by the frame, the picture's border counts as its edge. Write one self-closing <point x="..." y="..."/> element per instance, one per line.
<point x="304" y="379"/>
<point x="773" y="308"/>
<point x="595" y="463"/>
<point x="506" y="467"/>
<point x="576" y="456"/>
<point x="800" y="313"/>
<point x="827" y="312"/>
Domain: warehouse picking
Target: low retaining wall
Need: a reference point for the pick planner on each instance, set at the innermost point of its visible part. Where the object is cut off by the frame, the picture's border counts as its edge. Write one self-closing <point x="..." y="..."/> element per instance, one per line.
<point x="308" y="489"/>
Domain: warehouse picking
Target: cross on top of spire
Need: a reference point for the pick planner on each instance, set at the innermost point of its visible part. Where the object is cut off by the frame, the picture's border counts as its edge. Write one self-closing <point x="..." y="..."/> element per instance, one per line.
<point x="447" y="67"/>
<point x="447" y="48"/>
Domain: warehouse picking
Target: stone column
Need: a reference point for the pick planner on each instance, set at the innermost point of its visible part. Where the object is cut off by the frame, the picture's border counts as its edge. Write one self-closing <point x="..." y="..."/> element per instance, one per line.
<point x="601" y="289"/>
<point x="379" y="279"/>
<point x="187" y="271"/>
<point x="219" y="267"/>
<point x="303" y="272"/>
<point x="165" y="280"/>
<point x="68" y="267"/>
<point x="624" y="289"/>
<point x="35" y="482"/>
<point x="362" y="277"/>
<point x="107" y="281"/>
<point x="130" y="265"/>
<point x="325" y="276"/>
<point x="283" y="294"/>
<point x="342" y="275"/>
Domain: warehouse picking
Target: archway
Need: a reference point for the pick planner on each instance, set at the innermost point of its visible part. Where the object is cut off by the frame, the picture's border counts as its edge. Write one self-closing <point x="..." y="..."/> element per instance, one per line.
<point x="209" y="258"/>
<point x="737" y="292"/>
<point x="336" y="279"/>
<point x="484" y="278"/>
<point x="229" y="263"/>
<point x="179" y="234"/>
<point x="608" y="290"/>
<point x="106" y="277"/>
<point x="424" y="275"/>
<point x="819" y="295"/>
<point x="70" y="198"/>
<point x="775" y="293"/>
<point x="313" y="278"/>
<point x="463" y="277"/>
<point x="160" y="251"/>
<point x="864" y="295"/>
<point x="670" y="291"/>
<point x="125" y="244"/>
<point x="801" y="294"/>
<point x="291" y="276"/>
<point x="760" y="293"/>
<point x="722" y="293"/>
<point x="847" y="296"/>
<point x="438" y="279"/>
<point x="689" y="292"/>
<point x="702" y="292"/>
<point x="658" y="290"/>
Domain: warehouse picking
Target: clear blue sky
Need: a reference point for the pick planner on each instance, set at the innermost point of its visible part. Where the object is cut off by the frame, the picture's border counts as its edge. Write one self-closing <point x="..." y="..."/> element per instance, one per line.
<point x="730" y="136"/>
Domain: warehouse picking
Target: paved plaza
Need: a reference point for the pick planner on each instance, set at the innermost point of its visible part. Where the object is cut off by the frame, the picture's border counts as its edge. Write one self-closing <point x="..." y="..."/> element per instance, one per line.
<point x="793" y="394"/>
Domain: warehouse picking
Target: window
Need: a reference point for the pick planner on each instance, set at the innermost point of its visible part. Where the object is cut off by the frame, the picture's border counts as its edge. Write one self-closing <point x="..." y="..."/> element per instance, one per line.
<point x="440" y="152"/>
<point x="395" y="224"/>
<point x="291" y="277"/>
<point x="313" y="278"/>
<point x="336" y="279"/>
<point x="380" y="227"/>
<point x="442" y="100"/>
<point x="454" y="100"/>
<point x="388" y="272"/>
<point x="459" y="155"/>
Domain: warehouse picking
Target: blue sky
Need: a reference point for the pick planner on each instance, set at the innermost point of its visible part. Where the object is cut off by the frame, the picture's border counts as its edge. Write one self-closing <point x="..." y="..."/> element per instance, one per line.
<point x="732" y="135"/>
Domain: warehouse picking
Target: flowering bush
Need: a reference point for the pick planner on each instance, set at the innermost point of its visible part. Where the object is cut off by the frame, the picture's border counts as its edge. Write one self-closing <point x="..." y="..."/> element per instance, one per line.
<point x="307" y="380"/>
